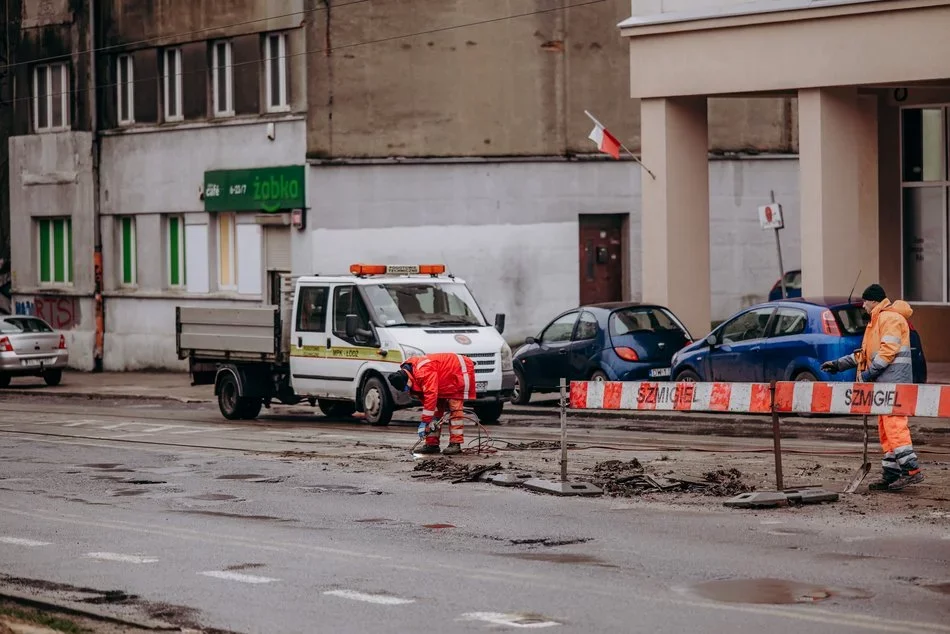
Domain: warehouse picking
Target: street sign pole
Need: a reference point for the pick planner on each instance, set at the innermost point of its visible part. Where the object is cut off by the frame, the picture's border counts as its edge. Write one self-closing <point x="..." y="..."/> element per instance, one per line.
<point x="770" y="217"/>
<point x="778" y="247"/>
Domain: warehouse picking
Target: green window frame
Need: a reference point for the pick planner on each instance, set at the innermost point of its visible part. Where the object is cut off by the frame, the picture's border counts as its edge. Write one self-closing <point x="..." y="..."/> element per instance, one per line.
<point x="127" y="251"/>
<point x="177" y="275"/>
<point x="55" y="250"/>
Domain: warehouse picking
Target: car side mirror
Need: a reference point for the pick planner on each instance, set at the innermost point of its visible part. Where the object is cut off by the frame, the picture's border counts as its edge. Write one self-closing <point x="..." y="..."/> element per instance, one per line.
<point x="500" y="323"/>
<point x="530" y="341"/>
<point x="352" y="326"/>
<point x="711" y="340"/>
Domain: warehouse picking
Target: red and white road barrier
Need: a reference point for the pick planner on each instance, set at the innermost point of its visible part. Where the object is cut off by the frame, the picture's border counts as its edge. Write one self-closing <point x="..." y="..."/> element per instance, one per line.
<point x="696" y="397"/>
<point x="801" y="397"/>
<point x="791" y="397"/>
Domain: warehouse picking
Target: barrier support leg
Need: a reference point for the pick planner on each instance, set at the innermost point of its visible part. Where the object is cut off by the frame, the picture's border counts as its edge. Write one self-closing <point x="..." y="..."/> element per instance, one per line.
<point x="777" y="441"/>
<point x="563" y="430"/>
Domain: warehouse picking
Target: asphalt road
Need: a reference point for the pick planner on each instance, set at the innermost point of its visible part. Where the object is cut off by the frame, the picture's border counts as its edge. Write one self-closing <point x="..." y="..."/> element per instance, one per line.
<point x="163" y="511"/>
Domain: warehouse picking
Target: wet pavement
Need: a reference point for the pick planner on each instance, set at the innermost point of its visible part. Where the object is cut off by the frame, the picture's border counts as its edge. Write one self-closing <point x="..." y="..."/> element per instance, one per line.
<point x="292" y="525"/>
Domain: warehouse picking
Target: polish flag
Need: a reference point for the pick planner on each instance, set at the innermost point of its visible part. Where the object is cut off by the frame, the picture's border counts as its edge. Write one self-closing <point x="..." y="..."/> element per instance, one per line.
<point x="606" y="142"/>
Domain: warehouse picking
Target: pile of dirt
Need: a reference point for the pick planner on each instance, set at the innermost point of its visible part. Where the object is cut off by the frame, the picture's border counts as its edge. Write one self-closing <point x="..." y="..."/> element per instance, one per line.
<point x="629" y="479"/>
<point x="725" y="483"/>
<point x="538" y="444"/>
<point x="446" y="469"/>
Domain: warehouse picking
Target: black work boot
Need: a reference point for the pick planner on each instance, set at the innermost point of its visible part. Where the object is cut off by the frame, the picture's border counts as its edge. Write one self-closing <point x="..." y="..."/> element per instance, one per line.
<point x="453" y="449"/>
<point x="881" y="484"/>
<point x="428" y="450"/>
<point x="905" y="481"/>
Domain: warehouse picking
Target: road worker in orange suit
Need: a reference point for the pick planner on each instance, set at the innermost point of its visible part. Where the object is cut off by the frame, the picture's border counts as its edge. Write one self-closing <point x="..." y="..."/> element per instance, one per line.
<point x="885" y="358"/>
<point x="441" y="381"/>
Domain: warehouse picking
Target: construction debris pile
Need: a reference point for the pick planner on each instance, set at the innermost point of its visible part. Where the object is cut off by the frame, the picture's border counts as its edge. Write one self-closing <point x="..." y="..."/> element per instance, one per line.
<point x="446" y="469"/>
<point x="628" y="479"/>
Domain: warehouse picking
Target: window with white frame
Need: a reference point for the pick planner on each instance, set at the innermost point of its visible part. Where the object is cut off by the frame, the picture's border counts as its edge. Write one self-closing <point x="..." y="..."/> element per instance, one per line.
<point x="275" y="72"/>
<point x="128" y="274"/>
<point x="124" y="83"/>
<point x="925" y="209"/>
<point x="51" y="97"/>
<point x="227" y="275"/>
<point x="55" y="251"/>
<point x="222" y="79"/>
<point x="172" y="85"/>
<point x="175" y="252"/>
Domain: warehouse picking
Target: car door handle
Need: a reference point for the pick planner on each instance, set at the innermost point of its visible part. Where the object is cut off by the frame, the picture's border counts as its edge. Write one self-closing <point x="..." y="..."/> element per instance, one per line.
<point x="562" y="351"/>
<point x="300" y="342"/>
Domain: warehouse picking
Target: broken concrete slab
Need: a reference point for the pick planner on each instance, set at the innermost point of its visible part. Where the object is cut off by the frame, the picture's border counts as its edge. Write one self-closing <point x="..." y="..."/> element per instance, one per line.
<point x="507" y="480"/>
<point x="810" y="496"/>
<point x="562" y="488"/>
<point x="757" y="499"/>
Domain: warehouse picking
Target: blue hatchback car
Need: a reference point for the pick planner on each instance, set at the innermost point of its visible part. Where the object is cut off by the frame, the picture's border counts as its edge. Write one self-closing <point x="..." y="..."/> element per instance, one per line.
<point x="600" y="342"/>
<point x="785" y="340"/>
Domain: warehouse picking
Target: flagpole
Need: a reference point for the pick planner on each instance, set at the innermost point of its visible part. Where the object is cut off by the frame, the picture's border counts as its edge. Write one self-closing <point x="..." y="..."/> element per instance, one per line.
<point x="622" y="146"/>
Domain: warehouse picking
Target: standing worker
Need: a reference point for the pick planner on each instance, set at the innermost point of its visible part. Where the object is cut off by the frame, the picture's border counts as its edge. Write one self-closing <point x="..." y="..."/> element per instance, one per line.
<point x="440" y="381"/>
<point x="885" y="358"/>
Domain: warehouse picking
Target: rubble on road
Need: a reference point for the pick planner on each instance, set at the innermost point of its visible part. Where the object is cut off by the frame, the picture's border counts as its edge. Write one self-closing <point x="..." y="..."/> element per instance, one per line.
<point x="628" y="479"/>
<point x="446" y="469"/>
<point x="537" y="444"/>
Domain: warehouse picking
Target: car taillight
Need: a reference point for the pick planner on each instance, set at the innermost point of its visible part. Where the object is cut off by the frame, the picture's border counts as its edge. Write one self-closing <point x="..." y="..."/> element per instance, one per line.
<point x="829" y="325"/>
<point x="5" y="344"/>
<point x="627" y="354"/>
<point x="62" y="342"/>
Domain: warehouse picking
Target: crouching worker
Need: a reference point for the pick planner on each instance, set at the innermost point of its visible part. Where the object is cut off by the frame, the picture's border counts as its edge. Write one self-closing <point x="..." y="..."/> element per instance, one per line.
<point x="441" y="381"/>
<point x="885" y="357"/>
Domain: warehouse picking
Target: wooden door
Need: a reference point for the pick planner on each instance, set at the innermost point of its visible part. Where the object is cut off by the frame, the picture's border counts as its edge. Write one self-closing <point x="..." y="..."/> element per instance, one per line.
<point x="601" y="257"/>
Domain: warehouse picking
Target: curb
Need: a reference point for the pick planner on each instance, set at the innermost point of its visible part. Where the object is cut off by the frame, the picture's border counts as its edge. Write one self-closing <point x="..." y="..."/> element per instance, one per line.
<point x="102" y="396"/>
<point x="90" y="613"/>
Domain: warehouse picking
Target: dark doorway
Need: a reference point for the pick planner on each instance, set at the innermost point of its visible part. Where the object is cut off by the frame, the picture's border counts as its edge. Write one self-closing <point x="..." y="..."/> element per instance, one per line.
<point x="602" y="260"/>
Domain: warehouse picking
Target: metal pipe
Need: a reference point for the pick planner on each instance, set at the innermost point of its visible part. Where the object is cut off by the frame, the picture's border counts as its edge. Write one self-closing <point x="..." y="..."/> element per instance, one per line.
<point x="563" y="430"/>
<point x="777" y="444"/>
<point x="96" y="218"/>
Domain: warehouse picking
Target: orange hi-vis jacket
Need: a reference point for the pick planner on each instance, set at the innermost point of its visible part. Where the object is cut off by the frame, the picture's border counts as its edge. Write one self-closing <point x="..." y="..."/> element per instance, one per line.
<point x="441" y="376"/>
<point x="885" y="351"/>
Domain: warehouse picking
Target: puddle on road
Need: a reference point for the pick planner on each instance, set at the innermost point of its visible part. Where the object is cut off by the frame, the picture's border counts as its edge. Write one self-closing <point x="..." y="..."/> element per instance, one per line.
<point x="560" y="558"/>
<point x="772" y="591"/>
<point x="373" y="520"/>
<point x="129" y="492"/>
<point x="438" y="526"/>
<point x="244" y="567"/>
<point x="845" y="557"/>
<point x="240" y="476"/>
<point x="145" y="482"/>
<point x="102" y="465"/>
<point x="942" y="588"/>
<point x="240" y="516"/>
<point x="212" y="497"/>
<point x="112" y="478"/>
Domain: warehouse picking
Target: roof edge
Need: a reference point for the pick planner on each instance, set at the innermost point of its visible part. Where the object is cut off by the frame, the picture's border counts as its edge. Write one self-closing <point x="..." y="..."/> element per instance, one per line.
<point x="753" y="7"/>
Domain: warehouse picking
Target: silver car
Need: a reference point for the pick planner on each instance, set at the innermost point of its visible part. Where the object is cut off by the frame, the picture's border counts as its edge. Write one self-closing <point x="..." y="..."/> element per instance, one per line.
<point x="30" y="347"/>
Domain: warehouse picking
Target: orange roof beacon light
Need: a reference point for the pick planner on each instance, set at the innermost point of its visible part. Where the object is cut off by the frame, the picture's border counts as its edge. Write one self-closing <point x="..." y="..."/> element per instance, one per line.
<point x="397" y="269"/>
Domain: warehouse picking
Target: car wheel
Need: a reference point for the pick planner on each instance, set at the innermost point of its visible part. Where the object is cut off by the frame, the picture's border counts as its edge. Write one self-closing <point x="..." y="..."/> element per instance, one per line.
<point x="599" y="376"/>
<point x="687" y="376"/>
<point x="4" y="380"/>
<point x="53" y="377"/>
<point x="521" y="395"/>
<point x="336" y="409"/>
<point x="805" y="375"/>
<point x="377" y="404"/>
<point x="488" y="413"/>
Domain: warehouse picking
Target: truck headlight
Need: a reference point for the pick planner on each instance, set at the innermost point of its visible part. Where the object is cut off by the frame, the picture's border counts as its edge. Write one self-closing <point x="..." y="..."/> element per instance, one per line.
<point x="506" y="365"/>
<point x="408" y="352"/>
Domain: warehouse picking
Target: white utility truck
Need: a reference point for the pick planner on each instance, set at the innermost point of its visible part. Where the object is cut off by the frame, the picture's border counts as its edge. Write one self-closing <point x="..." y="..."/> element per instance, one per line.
<point x="333" y="339"/>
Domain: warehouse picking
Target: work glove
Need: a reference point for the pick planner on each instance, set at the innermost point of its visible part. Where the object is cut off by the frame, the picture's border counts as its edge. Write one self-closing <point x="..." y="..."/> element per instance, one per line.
<point x="422" y="429"/>
<point x="831" y="367"/>
<point x="867" y="377"/>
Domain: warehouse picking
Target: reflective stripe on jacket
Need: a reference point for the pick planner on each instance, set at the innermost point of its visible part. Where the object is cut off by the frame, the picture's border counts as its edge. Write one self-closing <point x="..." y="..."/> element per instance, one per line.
<point x="886" y="346"/>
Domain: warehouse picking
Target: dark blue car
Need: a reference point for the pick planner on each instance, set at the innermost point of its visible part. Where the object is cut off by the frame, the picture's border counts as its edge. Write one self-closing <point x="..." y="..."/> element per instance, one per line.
<point x="793" y="286"/>
<point x="600" y="342"/>
<point x="783" y="341"/>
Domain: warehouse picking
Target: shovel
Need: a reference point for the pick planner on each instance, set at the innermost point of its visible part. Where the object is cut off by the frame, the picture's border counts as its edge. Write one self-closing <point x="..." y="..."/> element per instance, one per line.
<point x="865" y="468"/>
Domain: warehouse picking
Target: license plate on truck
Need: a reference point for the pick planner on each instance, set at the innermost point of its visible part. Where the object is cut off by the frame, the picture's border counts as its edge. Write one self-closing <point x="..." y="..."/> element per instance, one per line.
<point x="481" y="386"/>
<point x="658" y="372"/>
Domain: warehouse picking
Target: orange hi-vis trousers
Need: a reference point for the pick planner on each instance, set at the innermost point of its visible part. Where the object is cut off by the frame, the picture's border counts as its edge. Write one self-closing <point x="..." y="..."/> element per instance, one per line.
<point x="899" y="457"/>
<point x="456" y="422"/>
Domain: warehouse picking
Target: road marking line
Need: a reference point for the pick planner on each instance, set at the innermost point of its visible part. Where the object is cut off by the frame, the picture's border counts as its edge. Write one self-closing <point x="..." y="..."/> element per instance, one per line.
<point x="380" y="599"/>
<point x="128" y="559"/>
<point x="236" y="576"/>
<point x="16" y="541"/>
<point x="510" y="620"/>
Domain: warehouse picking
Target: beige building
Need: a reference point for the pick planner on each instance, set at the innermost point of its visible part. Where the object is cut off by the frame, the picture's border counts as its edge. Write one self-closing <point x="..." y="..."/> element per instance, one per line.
<point x="872" y="78"/>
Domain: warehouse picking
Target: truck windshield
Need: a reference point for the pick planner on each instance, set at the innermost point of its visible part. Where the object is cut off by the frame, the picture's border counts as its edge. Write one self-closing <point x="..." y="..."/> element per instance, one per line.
<point x="423" y="305"/>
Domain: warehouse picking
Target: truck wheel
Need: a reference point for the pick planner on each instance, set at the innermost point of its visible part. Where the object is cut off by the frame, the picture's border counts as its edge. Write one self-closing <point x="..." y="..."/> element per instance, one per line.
<point x="250" y="408"/>
<point x="230" y="404"/>
<point x="488" y="413"/>
<point x="337" y="409"/>
<point x="377" y="404"/>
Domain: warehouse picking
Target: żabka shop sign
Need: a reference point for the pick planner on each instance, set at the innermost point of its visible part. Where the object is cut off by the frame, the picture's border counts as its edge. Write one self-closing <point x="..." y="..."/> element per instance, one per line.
<point x="262" y="189"/>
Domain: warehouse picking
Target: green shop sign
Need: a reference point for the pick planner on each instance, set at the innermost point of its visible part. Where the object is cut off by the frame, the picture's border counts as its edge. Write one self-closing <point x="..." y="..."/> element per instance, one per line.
<point x="264" y="189"/>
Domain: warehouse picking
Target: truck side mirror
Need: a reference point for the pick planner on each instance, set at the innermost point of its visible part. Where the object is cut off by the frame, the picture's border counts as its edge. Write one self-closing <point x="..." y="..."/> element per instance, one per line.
<point x="352" y="326"/>
<point x="500" y="322"/>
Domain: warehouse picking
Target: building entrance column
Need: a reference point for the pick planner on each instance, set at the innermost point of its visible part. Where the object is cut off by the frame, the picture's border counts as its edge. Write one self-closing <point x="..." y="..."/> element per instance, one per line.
<point x="675" y="218"/>
<point x="839" y="193"/>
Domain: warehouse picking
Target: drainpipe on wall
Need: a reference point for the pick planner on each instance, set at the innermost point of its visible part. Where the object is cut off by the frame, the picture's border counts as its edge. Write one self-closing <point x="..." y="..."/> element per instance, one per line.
<point x="97" y="229"/>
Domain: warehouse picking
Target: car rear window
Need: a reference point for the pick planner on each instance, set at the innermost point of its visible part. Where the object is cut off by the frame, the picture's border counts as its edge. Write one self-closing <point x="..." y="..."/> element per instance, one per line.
<point x="18" y="325"/>
<point x="630" y="320"/>
<point x="853" y="319"/>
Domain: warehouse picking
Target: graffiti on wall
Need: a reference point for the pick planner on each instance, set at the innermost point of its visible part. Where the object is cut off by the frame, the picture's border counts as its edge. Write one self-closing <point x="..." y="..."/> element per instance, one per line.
<point x="62" y="313"/>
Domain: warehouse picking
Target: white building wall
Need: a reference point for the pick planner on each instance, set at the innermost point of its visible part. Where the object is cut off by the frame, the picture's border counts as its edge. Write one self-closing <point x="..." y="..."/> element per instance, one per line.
<point x="511" y="229"/>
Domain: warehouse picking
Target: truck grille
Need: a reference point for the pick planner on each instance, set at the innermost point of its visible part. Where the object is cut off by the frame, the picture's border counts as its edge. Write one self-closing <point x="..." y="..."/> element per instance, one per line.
<point x="484" y="362"/>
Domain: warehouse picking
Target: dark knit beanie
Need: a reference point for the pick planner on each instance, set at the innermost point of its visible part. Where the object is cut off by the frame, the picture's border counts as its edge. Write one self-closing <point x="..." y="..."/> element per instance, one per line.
<point x="874" y="293"/>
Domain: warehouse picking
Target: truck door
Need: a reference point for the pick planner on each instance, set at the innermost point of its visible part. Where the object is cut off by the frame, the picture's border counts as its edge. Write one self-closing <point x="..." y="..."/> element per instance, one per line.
<point x="343" y="357"/>
<point x="309" y="339"/>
